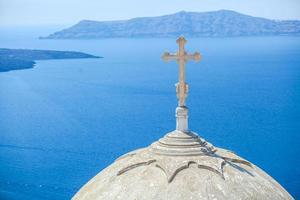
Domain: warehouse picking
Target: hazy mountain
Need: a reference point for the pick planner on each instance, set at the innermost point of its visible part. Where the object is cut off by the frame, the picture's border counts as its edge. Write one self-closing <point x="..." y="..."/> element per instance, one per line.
<point x="221" y="23"/>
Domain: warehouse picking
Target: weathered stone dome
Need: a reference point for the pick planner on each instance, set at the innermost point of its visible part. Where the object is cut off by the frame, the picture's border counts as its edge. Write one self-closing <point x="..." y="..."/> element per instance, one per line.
<point x="181" y="166"/>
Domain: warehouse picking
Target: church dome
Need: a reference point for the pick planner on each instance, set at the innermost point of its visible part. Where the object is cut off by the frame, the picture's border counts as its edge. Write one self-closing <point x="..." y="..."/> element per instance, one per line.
<point x="186" y="167"/>
<point x="181" y="166"/>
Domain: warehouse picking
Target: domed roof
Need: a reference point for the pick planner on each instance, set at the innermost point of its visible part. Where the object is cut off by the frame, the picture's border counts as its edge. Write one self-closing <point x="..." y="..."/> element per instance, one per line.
<point x="181" y="165"/>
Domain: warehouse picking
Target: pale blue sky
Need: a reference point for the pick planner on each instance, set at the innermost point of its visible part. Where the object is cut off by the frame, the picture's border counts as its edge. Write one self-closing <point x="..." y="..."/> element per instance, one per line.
<point x="68" y="12"/>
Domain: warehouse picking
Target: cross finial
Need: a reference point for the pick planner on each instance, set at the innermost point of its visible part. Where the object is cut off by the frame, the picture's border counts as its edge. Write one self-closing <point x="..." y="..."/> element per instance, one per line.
<point x="181" y="56"/>
<point x="181" y="41"/>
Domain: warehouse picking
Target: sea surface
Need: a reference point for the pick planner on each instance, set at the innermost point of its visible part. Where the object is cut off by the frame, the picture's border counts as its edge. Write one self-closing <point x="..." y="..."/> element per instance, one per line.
<point x="65" y="120"/>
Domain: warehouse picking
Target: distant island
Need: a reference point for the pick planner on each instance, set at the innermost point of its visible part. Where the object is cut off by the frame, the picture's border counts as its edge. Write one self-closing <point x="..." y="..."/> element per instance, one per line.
<point x="15" y="59"/>
<point x="223" y="23"/>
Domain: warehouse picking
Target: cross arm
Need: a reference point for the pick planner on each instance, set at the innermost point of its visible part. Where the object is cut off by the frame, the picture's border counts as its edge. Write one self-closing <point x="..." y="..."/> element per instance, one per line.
<point x="196" y="56"/>
<point x="167" y="56"/>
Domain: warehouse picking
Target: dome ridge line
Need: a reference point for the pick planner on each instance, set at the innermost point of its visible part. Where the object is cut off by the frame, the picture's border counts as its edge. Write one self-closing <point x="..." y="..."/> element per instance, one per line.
<point x="171" y="165"/>
<point x="134" y="166"/>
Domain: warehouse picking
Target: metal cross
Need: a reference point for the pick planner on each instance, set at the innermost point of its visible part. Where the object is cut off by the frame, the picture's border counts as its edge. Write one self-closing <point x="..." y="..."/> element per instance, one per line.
<point x="181" y="57"/>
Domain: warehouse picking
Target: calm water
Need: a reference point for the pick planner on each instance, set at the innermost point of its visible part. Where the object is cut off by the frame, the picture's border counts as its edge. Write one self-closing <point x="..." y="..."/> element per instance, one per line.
<point x="65" y="120"/>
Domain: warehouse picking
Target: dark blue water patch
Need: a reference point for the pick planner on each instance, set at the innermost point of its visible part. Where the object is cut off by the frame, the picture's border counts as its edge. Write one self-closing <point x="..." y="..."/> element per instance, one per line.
<point x="64" y="121"/>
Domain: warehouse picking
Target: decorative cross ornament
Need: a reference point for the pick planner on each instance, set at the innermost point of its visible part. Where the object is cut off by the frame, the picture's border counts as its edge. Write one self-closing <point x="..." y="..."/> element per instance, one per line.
<point x="181" y="57"/>
<point x="181" y="87"/>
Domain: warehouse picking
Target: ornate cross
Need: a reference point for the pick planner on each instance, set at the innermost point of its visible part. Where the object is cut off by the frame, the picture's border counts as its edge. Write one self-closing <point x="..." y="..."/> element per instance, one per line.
<point x="181" y="57"/>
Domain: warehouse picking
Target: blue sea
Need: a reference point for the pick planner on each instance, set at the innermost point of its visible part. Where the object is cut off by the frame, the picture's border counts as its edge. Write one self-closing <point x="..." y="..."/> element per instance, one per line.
<point x="65" y="120"/>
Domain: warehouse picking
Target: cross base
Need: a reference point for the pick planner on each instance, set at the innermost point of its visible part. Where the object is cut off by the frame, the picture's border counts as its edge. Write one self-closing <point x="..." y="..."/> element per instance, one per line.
<point x="182" y="119"/>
